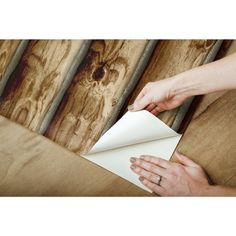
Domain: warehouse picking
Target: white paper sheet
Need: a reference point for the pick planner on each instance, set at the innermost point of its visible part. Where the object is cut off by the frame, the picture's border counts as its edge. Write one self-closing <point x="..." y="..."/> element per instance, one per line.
<point x="136" y="133"/>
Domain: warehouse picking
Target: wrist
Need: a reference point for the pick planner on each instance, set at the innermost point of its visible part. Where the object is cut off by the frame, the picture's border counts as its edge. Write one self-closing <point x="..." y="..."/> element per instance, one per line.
<point x="209" y="190"/>
<point x="187" y="84"/>
<point x="217" y="190"/>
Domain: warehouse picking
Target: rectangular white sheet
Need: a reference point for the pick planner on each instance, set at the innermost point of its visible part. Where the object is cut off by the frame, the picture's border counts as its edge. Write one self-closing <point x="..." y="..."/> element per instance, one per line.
<point x="136" y="133"/>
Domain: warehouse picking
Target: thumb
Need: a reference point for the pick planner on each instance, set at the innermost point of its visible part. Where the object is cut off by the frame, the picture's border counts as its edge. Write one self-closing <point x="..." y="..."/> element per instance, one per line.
<point x="185" y="160"/>
<point x="141" y="103"/>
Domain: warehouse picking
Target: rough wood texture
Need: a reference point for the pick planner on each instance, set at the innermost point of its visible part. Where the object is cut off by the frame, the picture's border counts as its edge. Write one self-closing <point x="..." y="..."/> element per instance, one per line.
<point x="172" y="57"/>
<point x="30" y="164"/>
<point x="210" y="138"/>
<point x="225" y="49"/>
<point x="7" y="51"/>
<point x="37" y="80"/>
<point x="95" y="90"/>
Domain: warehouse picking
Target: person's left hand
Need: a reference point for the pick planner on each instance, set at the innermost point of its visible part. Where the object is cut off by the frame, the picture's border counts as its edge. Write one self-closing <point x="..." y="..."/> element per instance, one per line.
<point x="165" y="178"/>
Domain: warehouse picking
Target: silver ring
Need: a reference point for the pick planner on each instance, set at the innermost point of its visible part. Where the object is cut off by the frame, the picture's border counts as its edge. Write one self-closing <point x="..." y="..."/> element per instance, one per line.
<point x="159" y="180"/>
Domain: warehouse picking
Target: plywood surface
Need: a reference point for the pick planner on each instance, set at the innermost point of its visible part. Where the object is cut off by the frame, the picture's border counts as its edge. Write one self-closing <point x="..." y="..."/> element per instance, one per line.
<point x="30" y="164"/>
<point x="90" y="100"/>
<point x="37" y="80"/>
<point x="169" y="58"/>
<point x="210" y="138"/>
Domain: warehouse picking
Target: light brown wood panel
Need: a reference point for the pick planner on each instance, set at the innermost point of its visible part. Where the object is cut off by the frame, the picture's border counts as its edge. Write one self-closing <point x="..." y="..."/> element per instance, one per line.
<point x="30" y="164"/>
<point x="94" y="92"/>
<point x="36" y="80"/>
<point x="169" y="58"/>
<point x="210" y="138"/>
<point x="7" y="51"/>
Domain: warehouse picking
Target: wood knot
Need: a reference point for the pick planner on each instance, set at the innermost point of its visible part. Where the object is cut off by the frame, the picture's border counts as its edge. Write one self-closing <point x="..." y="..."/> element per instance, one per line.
<point x="99" y="73"/>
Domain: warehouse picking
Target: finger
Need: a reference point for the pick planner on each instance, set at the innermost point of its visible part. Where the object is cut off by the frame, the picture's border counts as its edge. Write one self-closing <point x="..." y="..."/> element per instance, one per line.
<point x="185" y="160"/>
<point x="156" y="111"/>
<point x="146" y="174"/>
<point x="150" y="107"/>
<point x="154" y="187"/>
<point x="156" y="161"/>
<point x="141" y="103"/>
<point x="141" y="94"/>
<point x="139" y="165"/>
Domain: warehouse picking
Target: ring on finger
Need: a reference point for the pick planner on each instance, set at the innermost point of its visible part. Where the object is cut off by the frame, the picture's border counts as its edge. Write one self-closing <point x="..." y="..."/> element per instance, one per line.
<point x="159" y="180"/>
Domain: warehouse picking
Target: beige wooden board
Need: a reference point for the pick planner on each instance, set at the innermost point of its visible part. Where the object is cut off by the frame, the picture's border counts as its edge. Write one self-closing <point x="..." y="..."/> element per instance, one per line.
<point x="98" y="85"/>
<point x="30" y="164"/>
<point x="210" y="138"/>
<point x="37" y="80"/>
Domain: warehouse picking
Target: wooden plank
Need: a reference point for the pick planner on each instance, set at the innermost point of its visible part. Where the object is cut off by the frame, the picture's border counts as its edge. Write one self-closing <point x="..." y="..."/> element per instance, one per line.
<point x="66" y="83"/>
<point x="37" y="80"/>
<point x="14" y="57"/>
<point x="210" y="137"/>
<point x="7" y="51"/>
<point x="225" y="47"/>
<point x="139" y="69"/>
<point x="89" y="102"/>
<point x="172" y="57"/>
<point x="32" y="165"/>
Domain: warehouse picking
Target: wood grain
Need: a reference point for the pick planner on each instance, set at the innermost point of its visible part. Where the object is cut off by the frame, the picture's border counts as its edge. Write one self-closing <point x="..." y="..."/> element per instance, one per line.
<point x="32" y="165"/>
<point x="169" y="58"/>
<point x="94" y="92"/>
<point x="37" y="80"/>
<point x="210" y="138"/>
<point x="7" y="51"/>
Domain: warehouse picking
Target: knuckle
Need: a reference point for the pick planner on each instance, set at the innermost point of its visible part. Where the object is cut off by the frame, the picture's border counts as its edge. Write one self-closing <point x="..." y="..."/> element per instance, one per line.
<point x="145" y="165"/>
<point x="159" y="191"/>
<point x="137" y="162"/>
<point x="152" y="168"/>
<point x="146" y="157"/>
<point x="157" y="160"/>
<point x="147" y="183"/>
<point x="152" y="99"/>
<point x="141" y="163"/>
<point x="150" y="176"/>
<point x="143" y="156"/>
<point x="138" y="170"/>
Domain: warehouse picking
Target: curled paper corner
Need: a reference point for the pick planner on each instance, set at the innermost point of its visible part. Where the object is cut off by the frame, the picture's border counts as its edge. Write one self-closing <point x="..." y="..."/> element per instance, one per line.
<point x="135" y="134"/>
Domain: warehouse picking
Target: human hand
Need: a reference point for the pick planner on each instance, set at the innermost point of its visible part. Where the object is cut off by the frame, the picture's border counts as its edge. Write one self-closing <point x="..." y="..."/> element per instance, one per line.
<point x="165" y="178"/>
<point x="158" y="96"/>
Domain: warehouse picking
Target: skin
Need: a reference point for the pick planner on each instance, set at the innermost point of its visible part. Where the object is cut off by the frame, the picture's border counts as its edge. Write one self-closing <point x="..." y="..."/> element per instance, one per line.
<point x="185" y="178"/>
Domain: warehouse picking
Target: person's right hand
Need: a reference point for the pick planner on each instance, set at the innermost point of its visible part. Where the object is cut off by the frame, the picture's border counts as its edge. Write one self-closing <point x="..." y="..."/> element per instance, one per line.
<point x="158" y="96"/>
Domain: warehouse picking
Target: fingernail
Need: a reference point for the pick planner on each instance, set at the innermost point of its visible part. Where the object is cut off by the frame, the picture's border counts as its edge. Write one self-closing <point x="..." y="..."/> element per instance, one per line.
<point x="133" y="159"/>
<point x="133" y="167"/>
<point x="141" y="178"/>
<point x="131" y="107"/>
